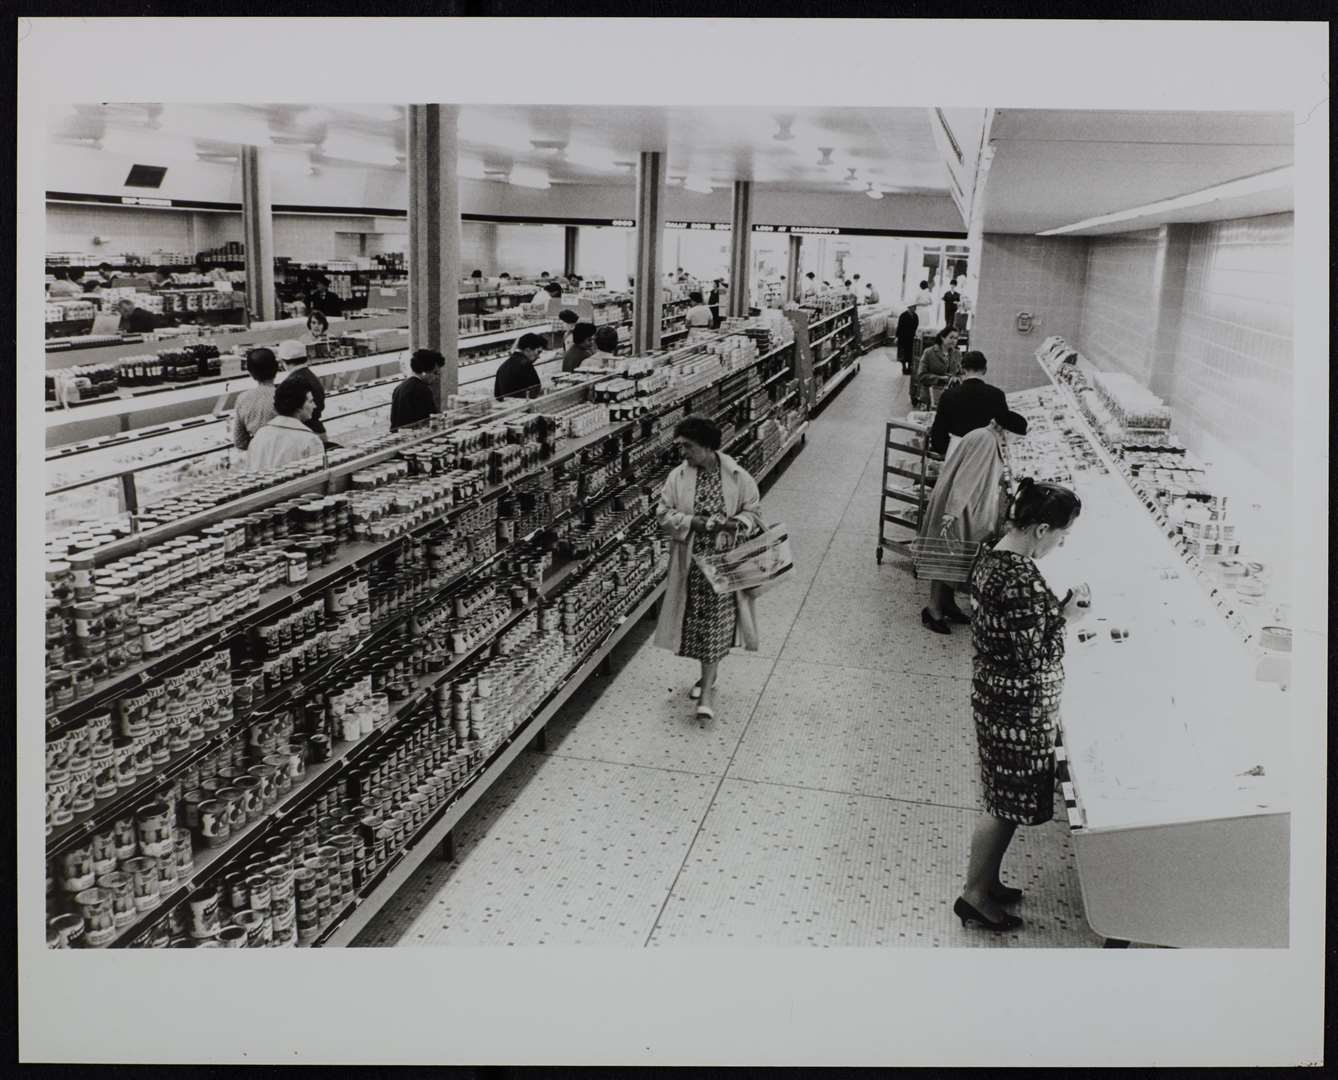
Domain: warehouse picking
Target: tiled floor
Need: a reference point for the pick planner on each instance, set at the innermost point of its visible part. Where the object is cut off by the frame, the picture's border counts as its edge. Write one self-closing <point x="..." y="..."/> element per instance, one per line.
<point x="829" y="803"/>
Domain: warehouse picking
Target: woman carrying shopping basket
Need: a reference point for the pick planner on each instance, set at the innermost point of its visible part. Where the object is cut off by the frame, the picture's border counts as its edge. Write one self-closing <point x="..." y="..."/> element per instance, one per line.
<point x="707" y="501"/>
<point x="968" y="507"/>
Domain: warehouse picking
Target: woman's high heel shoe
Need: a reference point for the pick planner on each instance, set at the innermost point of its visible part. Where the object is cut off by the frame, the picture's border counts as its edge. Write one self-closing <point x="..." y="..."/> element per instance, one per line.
<point x="1002" y="894"/>
<point x="967" y="913"/>
<point x="939" y="626"/>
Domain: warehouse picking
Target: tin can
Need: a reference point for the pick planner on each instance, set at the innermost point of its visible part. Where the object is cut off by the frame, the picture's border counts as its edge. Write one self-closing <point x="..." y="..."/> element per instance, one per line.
<point x="204" y="913"/>
<point x="76" y="869"/>
<point x="154" y="825"/>
<point x="95" y="906"/>
<point x="235" y="800"/>
<point x="183" y="849"/>
<point x="256" y="926"/>
<point x="120" y="887"/>
<point x="235" y="893"/>
<point x="215" y="822"/>
<point x="103" y="850"/>
<point x="252" y="789"/>
<point x="69" y="930"/>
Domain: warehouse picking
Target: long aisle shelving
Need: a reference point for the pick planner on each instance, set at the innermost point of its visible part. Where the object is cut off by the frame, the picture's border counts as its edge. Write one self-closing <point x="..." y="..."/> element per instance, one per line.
<point x="173" y="750"/>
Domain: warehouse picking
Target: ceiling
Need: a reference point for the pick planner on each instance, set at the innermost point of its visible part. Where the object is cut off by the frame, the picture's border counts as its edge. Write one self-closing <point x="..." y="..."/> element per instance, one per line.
<point x="1050" y="168"/>
<point x="891" y="148"/>
<point x="1053" y="168"/>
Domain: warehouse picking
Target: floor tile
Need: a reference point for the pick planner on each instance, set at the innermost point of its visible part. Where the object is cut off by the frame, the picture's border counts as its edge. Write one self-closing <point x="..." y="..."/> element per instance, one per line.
<point x="819" y="508"/>
<point x="780" y="866"/>
<point x="583" y="855"/>
<point x="862" y="732"/>
<point x="641" y="714"/>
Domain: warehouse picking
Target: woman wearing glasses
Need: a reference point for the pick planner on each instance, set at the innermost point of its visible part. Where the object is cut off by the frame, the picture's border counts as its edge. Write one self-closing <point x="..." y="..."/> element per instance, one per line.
<point x="707" y="495"/>
<point x="1017" y="679"/>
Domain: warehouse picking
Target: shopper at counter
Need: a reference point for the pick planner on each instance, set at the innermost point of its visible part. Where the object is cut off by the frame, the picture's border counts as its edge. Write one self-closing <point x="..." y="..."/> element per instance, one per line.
<point x="699" y="315"/>
<point x="413" y="400"/>
<point x="939" y="366"/>
<point x="870" y="293"/>
<point x="605" y="357"/>
<point x="550" y="290"/>
<point x="135" y="320"/>
<point x="517" y="377"/>
<point x="318" y="328"/>
<point x="971" y="404"/>
<point x="255" y="407"/>
<point x="323" y="300"/>
<point x="286" y="438"/>
<point x="951" y="299"/>
<point x="1017" y="681"/>
<point x="64" y="288"/>
<point x="968" y="505"/>
<point x="908" y="326"/>
<point x="708" y="495"/>
<point x="582" y="347"/>
<point x="713" y="302"/>
<point x="568" y="319"/>
<point x="293" y="354"/>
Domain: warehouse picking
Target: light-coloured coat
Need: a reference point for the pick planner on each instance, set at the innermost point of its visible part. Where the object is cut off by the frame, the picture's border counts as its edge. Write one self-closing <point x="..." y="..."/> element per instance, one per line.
<point x="674" y="513"/>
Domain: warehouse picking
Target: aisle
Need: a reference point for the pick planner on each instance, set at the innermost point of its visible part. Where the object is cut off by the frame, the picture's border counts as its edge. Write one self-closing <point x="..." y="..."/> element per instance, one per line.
<point x="829" y="803"/>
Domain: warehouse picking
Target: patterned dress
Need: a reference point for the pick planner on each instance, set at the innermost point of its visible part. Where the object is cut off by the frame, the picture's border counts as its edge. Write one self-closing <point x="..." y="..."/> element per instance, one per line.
<point x="708" y="618"/>
<point x="1018" y="676"/>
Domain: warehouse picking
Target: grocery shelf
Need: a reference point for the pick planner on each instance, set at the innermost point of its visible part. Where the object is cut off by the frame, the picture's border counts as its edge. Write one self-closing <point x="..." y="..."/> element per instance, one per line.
<point x="835" y="383"/>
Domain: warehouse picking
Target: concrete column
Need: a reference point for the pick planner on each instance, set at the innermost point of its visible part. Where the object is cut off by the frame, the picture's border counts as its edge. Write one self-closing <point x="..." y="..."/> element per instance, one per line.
<point x="646" y="293"/>
<point x="792" y="265"/>
<point x="257" y="234"/>
<point x="571" y="239"/>
<point x="740" y="248"/>
<point x="434" y="238"/>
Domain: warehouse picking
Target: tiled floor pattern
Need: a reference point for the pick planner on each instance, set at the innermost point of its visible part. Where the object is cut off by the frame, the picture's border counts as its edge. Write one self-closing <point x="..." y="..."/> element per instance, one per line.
<point x="830" y="803"/>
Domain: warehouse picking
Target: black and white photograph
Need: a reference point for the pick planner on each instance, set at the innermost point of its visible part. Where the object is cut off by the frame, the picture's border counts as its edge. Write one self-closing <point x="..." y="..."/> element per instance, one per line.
<point x="716" y="566"/>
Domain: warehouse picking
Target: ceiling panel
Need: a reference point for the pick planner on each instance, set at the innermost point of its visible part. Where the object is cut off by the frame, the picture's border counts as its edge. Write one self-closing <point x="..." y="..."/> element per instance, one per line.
<point x="1054" y="168"/>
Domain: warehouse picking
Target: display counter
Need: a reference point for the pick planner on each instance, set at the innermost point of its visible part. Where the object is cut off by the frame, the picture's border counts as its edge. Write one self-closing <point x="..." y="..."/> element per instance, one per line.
<point x="1177" y="754"/>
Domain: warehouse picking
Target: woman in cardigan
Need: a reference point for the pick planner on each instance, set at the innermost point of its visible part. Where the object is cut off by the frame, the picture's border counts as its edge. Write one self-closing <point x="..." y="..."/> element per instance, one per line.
<point x="708" y="495"/>
<point x="939" y="364"/>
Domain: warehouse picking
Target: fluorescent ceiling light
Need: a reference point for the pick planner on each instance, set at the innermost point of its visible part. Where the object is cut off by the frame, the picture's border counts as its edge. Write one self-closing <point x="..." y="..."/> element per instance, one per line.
<point x="347" y="147"/>
<point x="526" y="176"/>
<point x="215" y="125"/>
<point x="387" y="113"/>
<point x="470" y="169"/>
<point x="147" y="146"/>
<point x="1273" y="180"/>
<point x="699" y="184"/>
<point x="589" y="156"/>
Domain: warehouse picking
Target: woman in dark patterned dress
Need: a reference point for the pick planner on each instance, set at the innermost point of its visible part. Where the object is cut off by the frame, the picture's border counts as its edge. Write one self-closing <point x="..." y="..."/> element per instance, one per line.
<point x="1018" y="676"/>
<point x="707" y="495"/>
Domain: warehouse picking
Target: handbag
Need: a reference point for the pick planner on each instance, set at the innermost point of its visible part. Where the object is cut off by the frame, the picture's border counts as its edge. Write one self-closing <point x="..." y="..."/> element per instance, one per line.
<point x="757" y="564"/>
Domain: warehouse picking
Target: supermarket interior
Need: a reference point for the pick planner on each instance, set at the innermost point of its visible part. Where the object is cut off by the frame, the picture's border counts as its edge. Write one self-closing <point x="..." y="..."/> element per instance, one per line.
<point x="596" y="525"/>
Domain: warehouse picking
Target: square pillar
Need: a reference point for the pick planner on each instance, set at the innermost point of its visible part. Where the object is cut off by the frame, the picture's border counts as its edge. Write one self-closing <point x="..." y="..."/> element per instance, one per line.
<point x="257" y="234"/>
<point x="740" y="242"/>
<point x="434" y="238"/>
<point x="646" y="293"/>
<point x="571" y="240"/>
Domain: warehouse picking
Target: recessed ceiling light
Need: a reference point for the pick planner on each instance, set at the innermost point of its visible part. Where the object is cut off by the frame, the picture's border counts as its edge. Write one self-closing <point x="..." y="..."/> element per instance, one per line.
<point x="825" y="160"/>
<point x="526" y="176"/>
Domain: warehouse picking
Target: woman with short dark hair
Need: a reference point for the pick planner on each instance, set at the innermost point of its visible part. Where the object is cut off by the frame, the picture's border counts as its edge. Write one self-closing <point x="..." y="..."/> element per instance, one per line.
<point x="939" y="365"/>
<point x="706" y="500"/>
<point x="699" y="315"/>
<point x="1017" y="681"/>
<point x="318" y="328"/>
<point x="413" y="401"/>
<point x="286" y="438"/>
<point x="255" y="407"/>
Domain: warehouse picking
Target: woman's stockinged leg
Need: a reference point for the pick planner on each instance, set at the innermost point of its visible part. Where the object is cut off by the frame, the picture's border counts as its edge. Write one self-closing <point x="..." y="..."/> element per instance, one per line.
<point x="940" y="597"/>
<point x="989" y="843"/>
<point x="709" y="672"/>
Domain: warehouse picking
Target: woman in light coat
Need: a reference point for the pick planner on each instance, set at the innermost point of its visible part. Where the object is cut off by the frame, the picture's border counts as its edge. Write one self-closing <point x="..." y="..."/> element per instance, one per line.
<point x="708" y="495"/>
